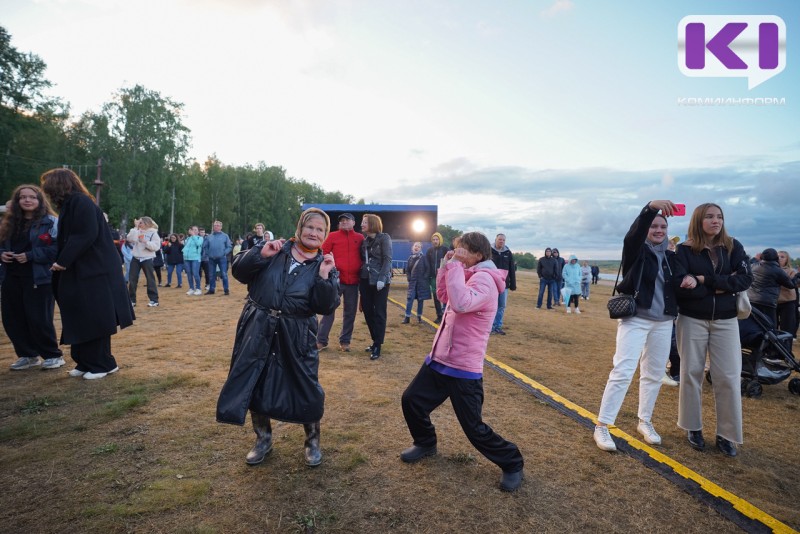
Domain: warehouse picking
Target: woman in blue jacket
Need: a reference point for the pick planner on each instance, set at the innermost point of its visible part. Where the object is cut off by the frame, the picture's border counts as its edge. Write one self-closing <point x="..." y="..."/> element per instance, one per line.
<point x="27" y="249"/>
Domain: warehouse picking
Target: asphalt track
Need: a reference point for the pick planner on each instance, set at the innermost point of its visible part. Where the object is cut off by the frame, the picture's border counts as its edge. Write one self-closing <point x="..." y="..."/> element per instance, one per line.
<point x="735" y="509"/>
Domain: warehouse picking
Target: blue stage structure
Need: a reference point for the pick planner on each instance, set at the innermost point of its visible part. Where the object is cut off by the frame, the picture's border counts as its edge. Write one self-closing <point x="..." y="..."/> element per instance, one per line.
<point x="405" y="223"/>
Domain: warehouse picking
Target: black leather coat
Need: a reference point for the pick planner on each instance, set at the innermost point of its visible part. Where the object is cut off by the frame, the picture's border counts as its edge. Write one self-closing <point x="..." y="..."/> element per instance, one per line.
<point x="768" y="277"/>
<point x="275" y="361"/>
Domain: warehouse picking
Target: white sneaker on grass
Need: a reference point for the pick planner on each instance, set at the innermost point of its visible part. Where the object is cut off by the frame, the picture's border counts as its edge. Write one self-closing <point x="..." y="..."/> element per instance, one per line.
<point x="75" y="373"/>
<point x="649" y="433"/>
<point x="152" y="304"/>
<point x="603" y="439"/>
<point x="97" y="376"/>
<point x="198" y="292"/>
<point x="25" y="363"/>
<point x="577" y="310"/>
<point x="53" y="363"/>
<point x="668" y="381"/>
<point x="190" y="292"/>
<point x="569" y="310"/>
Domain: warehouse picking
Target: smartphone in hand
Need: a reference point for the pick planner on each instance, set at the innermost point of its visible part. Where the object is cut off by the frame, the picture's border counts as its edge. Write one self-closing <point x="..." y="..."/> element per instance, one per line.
<point x="680" y="210"/>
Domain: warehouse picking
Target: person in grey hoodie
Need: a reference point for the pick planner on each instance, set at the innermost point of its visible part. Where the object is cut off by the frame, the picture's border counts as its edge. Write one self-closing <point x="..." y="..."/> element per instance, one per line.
<point x="217" y="246"/>
<point x="645" y="337"/>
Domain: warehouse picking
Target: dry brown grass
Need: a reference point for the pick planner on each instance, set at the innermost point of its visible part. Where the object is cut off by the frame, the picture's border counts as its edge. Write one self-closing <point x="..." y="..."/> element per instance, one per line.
<point x="140" y="451"/>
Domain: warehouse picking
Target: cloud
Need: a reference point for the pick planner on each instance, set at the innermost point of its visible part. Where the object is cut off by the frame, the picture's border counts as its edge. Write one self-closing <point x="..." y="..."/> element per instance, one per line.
<point x="558" y="7"/>
<point x="588" y="211"/>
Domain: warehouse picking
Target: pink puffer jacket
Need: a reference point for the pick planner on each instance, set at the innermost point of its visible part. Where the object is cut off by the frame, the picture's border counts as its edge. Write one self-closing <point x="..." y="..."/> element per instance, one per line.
<point x="471" y="298"/>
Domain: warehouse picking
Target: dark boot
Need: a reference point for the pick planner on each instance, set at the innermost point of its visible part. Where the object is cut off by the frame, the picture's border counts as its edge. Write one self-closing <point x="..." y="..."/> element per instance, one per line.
<point x="312" y="452"/>
<point x="376" y="352"/>
<point x="263" y="445"/>
<point x="419" y="319"/>
<point x="406" y="320"/>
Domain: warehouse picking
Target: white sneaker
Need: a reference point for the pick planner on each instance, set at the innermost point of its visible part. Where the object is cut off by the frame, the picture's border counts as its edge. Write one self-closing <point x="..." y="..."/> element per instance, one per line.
<point x="53" y="363"/>
<point x="198" y="292"/>
<point x="603" y="439"/>
<point x="569" y="310"/>
<point x="649" y="433"/>
<point x="190" y="292"/>
<point x="97" y="376"/>
<point x="577" y="310"/>
<point x="152" y="304"/>
<point x="75" y="373"/>
<point x="668" y="381"/>
<point x="25" y="363"/>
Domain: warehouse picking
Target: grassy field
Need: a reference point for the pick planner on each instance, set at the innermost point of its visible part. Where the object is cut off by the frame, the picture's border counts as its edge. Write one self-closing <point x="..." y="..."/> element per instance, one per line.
<point x="140" y="451"/>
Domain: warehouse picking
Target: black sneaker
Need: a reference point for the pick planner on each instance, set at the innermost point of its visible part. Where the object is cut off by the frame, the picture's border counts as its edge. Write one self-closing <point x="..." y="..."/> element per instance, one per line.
<point x="499" y="331"/>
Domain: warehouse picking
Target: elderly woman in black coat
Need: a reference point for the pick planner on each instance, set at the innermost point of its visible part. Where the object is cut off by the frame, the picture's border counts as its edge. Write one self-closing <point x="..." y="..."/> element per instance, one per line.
<point x="274" y="365"/>
<point x="87" y="282"/>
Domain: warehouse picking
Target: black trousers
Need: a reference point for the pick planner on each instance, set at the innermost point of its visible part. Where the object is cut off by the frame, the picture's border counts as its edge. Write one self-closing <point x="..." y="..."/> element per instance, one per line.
<point x="150" y="276"/>
<point x="204" y="271"/>
<point x="94" y="356"/>
<point x="430" y="389"/>
<point x="787" y="317"/>
<point x="374" y="302"/>
<point x="28" y="318"/>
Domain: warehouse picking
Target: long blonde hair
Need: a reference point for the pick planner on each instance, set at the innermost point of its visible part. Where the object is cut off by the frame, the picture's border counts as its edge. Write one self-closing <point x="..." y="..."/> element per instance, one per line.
<point x="698" y="239"/>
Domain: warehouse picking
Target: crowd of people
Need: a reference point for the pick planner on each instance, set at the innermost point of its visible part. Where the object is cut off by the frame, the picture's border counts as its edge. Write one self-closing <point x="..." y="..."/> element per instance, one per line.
<point x="685" y="294"/>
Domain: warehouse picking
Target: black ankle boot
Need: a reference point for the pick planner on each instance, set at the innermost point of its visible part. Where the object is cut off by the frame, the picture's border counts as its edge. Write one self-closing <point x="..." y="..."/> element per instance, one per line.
<point x="263" y="445"/>
<point x="406" y="320"/>
<point x="370" y="348"/>
<point x="312" y="451"/>
<point x="376" y="352"/>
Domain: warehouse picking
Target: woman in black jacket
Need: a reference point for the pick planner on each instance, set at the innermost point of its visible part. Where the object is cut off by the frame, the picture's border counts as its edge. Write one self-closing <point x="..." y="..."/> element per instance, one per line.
<point x="376" y="275"/>
<point x="173" y="253"/>
<point x="717" y="269"/>
<point x="643" y="339"/>
<point x="275" y="362"/>
<point x="87" y="280"/>
<point x="27" y="249"/>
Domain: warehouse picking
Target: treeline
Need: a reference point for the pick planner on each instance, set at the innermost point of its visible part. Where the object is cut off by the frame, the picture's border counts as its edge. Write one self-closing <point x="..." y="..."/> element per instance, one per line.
<point x="140" y="144"/>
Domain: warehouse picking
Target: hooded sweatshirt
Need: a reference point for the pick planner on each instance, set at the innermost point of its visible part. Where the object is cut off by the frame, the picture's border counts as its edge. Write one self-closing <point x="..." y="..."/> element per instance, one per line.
<point x="656" y="310"/>
<point x="471" y="297"/>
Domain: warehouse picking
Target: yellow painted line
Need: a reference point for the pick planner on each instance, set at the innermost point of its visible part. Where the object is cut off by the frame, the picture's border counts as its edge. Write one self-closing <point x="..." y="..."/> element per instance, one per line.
<point x="744" y="507"/>
<point x="739" y="504"/>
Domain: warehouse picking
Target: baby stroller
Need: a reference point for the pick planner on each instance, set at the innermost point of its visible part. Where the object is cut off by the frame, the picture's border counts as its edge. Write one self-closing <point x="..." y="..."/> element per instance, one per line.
<point x="766" y="355"/>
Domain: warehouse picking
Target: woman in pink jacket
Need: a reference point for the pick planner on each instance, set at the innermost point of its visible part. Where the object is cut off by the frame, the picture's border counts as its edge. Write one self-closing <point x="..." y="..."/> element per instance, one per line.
<point x="469" y="284"/>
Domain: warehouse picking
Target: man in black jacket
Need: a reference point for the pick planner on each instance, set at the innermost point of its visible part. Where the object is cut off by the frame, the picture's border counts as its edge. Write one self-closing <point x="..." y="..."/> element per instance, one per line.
<point x="503" y="259"/>
<point x="547" y="270"/>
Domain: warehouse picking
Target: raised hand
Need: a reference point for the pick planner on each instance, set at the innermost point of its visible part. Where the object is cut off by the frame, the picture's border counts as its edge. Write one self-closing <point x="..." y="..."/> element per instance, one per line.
<point x="271" y="248"/>
<point x="327" y="265"/>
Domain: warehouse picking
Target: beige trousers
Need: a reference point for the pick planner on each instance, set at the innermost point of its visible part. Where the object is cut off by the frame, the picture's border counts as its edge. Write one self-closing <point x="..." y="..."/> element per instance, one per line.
<point x="720" y="339"/>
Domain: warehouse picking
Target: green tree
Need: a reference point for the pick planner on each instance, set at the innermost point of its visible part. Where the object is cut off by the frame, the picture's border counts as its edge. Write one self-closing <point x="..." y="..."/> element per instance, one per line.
<point x="32" y="124"/>
<point x="448" y="233"/>
<point x="141" y="138"/>
<point x="525" y="260"/>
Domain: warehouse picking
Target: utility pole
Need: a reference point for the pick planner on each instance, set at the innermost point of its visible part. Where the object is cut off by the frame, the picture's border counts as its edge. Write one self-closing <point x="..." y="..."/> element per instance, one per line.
<point x="98" y="183"/>
<point x="172" y="212"/>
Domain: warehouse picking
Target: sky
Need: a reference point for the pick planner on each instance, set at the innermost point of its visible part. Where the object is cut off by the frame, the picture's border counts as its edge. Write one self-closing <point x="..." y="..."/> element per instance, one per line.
<point x="552" y="121"/>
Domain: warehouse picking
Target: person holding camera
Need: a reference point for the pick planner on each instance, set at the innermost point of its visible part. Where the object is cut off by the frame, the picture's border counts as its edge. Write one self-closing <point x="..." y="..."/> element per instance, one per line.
<point x="644" y="338"/>
<point x="146" y="242"/>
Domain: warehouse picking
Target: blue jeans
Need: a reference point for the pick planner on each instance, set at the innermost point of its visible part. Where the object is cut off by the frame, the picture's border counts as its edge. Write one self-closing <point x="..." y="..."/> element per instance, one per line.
<point x="192" y="268"/>
<point x="178" y="267"/>
<point x="222" y="263"/>
<point x="502" y="298"/>
<point x="552" y="291"/>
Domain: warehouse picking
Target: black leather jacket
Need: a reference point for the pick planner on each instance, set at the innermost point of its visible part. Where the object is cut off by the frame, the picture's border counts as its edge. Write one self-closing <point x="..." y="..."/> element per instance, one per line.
<point x="768" y="277"/>
<point x="377" y="255"/>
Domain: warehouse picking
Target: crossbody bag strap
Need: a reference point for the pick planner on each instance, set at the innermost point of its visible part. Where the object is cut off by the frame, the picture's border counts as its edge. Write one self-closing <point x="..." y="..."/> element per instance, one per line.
<point x="638" y="282"/>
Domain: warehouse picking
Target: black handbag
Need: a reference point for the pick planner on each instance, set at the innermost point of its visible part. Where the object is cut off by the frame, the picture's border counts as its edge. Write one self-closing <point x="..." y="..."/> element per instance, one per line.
<point x="621" y="306"/>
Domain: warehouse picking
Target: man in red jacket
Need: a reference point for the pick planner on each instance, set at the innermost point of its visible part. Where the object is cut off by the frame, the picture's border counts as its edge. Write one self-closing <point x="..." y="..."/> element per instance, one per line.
<point x="345" y="244"/>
